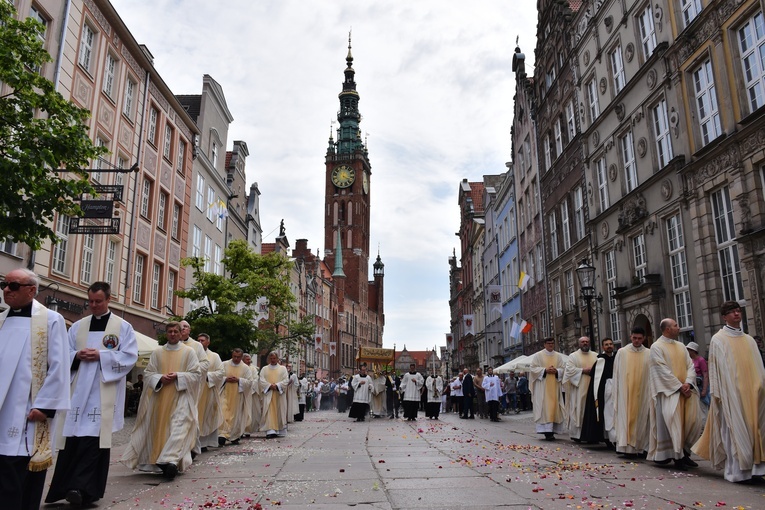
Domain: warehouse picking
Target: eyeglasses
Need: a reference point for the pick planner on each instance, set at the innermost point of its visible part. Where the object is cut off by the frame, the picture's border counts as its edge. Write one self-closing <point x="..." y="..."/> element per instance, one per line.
<point x="14" y="286"/>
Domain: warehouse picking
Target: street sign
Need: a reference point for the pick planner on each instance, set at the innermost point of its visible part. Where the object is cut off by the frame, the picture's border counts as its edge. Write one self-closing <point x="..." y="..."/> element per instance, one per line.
<point x="109" y="226"/>
<point x="110" y="189"/>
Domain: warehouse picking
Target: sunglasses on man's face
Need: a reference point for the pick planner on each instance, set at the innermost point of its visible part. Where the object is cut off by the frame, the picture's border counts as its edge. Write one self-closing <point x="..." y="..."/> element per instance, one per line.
<point x="14" y="286"/>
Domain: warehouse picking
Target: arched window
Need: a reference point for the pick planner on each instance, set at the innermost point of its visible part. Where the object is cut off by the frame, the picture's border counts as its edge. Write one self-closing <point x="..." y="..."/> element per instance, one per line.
<point x="350" y="213"/>
<point x="349" y="240"/>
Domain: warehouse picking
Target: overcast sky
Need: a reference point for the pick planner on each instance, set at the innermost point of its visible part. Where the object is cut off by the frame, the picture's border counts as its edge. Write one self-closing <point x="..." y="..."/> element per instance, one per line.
<point x="436" y="89"/>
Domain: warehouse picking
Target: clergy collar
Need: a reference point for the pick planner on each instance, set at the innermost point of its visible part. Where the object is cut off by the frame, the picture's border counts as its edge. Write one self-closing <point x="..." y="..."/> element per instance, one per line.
<point x="24" y="311"/>
<point x="99" y="323"/>
<point x="173" y="347"/>
<point x="733" y="331"/>
<point x="104" y="316"/>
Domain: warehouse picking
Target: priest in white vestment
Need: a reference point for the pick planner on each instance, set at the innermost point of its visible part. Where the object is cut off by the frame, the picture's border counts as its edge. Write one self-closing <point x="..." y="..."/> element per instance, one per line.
<point x="377" y="405"/>
<point x="293" y="387"/>
<point x="204" y="365"/>
<point x="256" y="397"/>
<point x="166" y="425"/>
<point x="235" y="404"/>
<point x="362" y="394"/>
<point x="273" y="384"/>
<point x="302" y="389"/>
<point x="102" y="351"/>
<point x="734" y="437"/>
<point x="576" y="379"/>
<point x="674" y="410"/>
<point x="34" y="384"/>
<point x="434" y="385"/>
<point x="411" y="385"/>
<point x="632" y="395"/>
<point x="209" y="410"/>
<point x="545" y="376"/>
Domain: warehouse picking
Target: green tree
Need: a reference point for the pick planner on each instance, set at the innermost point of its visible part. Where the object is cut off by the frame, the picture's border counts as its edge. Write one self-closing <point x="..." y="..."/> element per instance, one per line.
<point x="40" y="132"/>
<point x="228" y="313"/>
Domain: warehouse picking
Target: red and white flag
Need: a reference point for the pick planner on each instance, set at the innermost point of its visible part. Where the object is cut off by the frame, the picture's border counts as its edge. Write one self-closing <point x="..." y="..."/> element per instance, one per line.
<point x="332" y="348"/>
<point x="449" y="341"/>
<point x="317" y="341"/>
<point x="469" y="324"/>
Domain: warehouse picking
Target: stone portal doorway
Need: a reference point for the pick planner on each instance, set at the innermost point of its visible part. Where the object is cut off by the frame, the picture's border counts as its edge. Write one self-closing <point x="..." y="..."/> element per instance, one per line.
<point x="643" y="322"/>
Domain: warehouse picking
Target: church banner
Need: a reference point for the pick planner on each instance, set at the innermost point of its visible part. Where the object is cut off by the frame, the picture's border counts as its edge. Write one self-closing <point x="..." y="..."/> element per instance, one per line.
<point x="317" y="342"/>
<point x="332" y="348"/>
<point x="376" y="354"/>
<point x="449" y="341"/>
<point x="468" y="324"/>
<point x="495" y="298"/>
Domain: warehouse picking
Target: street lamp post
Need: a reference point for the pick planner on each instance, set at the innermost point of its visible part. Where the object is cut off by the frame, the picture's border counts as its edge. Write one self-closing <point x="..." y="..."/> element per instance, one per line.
<point x="586" y="274"/>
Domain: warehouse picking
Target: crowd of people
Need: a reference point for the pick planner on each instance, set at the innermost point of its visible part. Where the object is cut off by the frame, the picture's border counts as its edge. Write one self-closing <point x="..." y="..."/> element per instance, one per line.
<point x="715" y="410"/>
<point x="191" y="400"/>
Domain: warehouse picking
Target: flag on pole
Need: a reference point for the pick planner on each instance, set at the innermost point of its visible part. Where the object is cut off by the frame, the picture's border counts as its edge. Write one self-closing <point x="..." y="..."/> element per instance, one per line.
<point x="495" y="298"/>
<point x="469" y="324"/>
<point x="525" y="327"/>
<point x="515" y="331"/>
<point x="523" y="281"/>
<point x="332" y="348"/>
<point x="317" y="342"/>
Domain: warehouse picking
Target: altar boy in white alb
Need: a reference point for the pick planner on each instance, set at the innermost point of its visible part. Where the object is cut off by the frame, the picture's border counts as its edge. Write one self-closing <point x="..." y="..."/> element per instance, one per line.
<point x="102" y="351"/>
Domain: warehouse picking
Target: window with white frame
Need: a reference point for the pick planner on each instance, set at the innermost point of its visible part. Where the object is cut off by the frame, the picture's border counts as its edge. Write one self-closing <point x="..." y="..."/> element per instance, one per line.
<point x="152" y="133"/>
<point x="602" y="178"/>
<point x="592" y="100"/>
<point x="110" y="269"/>
<point x="221" y="216"/>
<point x="617" y="69"/>
<point x="647" y="31"/>
<point x="175" y="228"/>
<point x="86" y="267"/>
<point x="540" y="263"/>
<point x="522" y="210"/>
<point x="156" y="278"/>
<point x="543" y="324"/>
<point x="531" y="268"/>
<point x="9" y="247"/>
<point x="110" y="71"/>
<point x="510" y="225"/>
<point x="140" y="262"/>
<point x="639" y="256"/>
<point x="145" y="197"/>
<point x="87" y="42"/>
<point x="570" y="291"/>
<point x="212" y="208"/>
<point x="613" y="314"/>
<point x="546" y="148"/>
<point x="579" y="213"/>
<point x="200" y="196"/>
<point x="214" y="154"/>
<point x="127" y="107"/>
<point x="208" y="254"/>
<point x="558" y="298"/>
<point x="512" y="273"/>
<point x="677" y="262"/>
<point x="706" y="102"/>
<point x="663" y="139"/>
<point x="691" y="9"/>
<point x="535" y="198"/>
<point x="162" y="210"/>
<point x="570" y="120"/>
<point x="558" y="138"/>
<point x="527" y="150"/>
<point x="628" y="160"/>
<point x="170" y="289"/>
<point x="564" y="225"/>
<point x="727" y="249"/>
<point x="196" y="242"/>
<point x="181" y="156"/>
<point x="59" y="249"/>
<point x="166" y="150"/>
<point x="218" y="260"/>
<point x="37" y="16"/>
<point x="751" y="38"/>
<point x="521" y="162"/>
<point x="553" y="236"/>
<point x="98" y="162"/>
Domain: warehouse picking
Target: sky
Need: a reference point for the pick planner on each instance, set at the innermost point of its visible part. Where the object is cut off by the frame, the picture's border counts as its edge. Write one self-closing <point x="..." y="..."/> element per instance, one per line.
<point x="436" y="98"/>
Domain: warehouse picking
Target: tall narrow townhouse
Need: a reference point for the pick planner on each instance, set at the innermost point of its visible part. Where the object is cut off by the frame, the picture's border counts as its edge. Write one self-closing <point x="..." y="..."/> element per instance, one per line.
<point x="561" y="166"/>
<point x="530" y="225"/>
<point x="146" y="130"/>
<point x="716" y="70"/>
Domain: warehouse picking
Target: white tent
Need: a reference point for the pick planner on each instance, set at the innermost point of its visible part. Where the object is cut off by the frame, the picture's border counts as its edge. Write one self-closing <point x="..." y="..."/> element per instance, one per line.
<point x="146" y="345"/>
<point x="520" y="363"/>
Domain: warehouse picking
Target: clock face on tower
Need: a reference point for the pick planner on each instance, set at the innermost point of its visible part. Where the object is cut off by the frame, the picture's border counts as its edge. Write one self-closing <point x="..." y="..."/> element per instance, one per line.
<point x="343" y="176"/>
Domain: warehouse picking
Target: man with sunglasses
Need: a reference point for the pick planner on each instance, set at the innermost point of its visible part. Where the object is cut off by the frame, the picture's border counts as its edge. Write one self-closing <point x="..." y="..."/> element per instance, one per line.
<point x="34" y="384"/>
<point x="102" y="351"/>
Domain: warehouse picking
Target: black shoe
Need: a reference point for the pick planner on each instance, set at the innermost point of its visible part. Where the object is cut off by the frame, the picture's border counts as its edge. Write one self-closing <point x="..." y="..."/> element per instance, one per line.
<point x="193" y="455"/>
<point x="680" y="465"/>
<point x="471" y="417"/>
<point x="549" y="436"/>
<point x="688" y="462"/>
<point x="74" y="498"/>
<point x="204" y="449"/>
<point x="221" y="441"/>
<point x="271" y="436"/>
<point x="663" y="462"/>
<point x="169" y="470"/>
<point x="235" y="441"/>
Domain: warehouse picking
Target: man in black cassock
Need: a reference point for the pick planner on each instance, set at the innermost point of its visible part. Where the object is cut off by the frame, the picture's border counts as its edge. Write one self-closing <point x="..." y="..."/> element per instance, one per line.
<point x="468" y="394"/>
<point x="392" y="383"/>
<point x="594" y="420"/>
